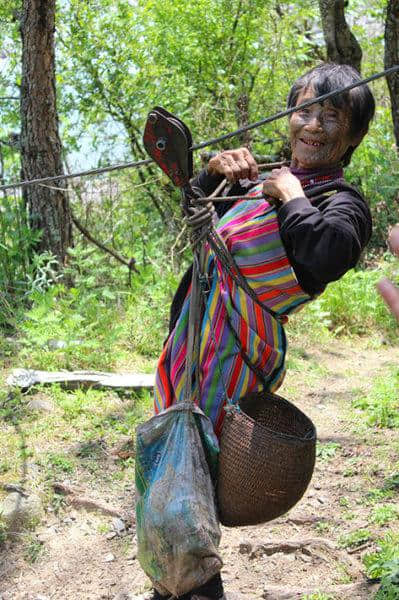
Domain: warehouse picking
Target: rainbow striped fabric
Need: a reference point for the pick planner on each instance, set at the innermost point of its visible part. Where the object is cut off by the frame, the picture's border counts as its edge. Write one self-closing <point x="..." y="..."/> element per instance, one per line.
<point x="250" y="231"/>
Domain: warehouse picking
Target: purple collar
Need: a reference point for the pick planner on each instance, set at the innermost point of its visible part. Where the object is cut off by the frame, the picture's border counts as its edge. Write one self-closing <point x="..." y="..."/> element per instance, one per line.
<point x="312" y="177"/>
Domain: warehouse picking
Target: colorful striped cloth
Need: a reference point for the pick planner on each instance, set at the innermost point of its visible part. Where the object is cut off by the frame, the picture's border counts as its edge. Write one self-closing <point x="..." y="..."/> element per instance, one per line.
<point x="251" y="233"/>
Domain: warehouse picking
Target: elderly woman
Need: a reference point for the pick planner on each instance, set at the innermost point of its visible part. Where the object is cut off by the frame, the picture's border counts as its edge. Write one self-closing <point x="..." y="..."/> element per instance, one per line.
<point x="288" y="249"/>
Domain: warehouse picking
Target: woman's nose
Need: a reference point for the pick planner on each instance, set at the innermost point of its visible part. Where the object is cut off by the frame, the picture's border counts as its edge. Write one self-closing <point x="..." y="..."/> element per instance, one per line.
<point x="314" y="123"/>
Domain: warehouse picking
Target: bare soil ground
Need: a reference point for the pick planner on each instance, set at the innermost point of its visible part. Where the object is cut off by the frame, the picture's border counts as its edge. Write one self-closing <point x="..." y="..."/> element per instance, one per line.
<point x="79" y="552"/>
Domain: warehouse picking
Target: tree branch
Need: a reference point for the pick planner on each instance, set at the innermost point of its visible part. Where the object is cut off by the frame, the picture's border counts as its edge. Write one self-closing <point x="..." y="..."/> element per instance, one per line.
<point x="130" y="264"/>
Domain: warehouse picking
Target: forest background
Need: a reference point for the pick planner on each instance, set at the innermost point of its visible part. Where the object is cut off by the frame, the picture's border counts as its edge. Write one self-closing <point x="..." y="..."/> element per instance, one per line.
<point x="217" y="66"/>
<point x="88" y="265"/>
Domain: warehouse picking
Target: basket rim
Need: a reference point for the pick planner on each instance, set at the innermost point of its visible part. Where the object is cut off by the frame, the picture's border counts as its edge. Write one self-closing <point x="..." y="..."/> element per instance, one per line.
<point x="287" y="436"/>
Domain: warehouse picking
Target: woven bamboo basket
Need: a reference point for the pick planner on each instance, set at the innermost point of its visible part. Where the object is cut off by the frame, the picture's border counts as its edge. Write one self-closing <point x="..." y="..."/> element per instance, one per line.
<point x="267" y="456"/>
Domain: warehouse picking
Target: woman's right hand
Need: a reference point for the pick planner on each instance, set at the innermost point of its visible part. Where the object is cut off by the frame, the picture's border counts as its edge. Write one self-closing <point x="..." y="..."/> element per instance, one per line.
<point x="234" y="165"/>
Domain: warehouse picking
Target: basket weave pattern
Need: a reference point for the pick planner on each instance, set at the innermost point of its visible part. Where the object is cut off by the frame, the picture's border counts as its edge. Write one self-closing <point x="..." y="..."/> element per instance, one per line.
<point x="267" y="456"/>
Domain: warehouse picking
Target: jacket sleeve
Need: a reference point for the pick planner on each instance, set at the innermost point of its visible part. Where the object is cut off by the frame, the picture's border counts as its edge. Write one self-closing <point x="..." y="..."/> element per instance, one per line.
<point x="327" y="240"/>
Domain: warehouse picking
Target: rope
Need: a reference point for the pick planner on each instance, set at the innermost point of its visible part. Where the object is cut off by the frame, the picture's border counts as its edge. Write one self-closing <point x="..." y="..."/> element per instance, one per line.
<point x="145" y="162"/>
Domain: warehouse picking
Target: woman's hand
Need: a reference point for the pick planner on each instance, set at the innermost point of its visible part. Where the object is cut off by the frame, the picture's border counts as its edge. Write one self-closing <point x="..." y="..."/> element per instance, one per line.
<point x="282" y="184"/>
<point x="388" y="291"/>
<point x="234" y="165"/>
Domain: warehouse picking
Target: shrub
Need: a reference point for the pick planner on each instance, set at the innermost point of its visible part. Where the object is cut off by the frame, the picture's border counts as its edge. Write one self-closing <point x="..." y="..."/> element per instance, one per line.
<point x="375" y="169"/>
<point x="352" y="305"/>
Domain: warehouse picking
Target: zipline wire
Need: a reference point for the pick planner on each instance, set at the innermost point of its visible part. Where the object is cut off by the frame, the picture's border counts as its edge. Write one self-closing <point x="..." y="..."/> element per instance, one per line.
<point x="132" y="165"/>
<point x="289" y="111"/>
<point x="142" y="163"/>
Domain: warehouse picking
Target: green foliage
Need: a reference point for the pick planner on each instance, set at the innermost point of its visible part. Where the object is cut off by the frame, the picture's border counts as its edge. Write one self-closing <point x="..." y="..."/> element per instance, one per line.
<point x="375" y="170"/>
<point x="66" y="328"/>
<point x="16" y="244"/>
<point x="60" y="463"/>
<point x="351" y="306"/>
<point x="355" y="538"/>
<point x="384" y="562"/>
<point x="392" y="482"/>
<point x="195" y="59"/>
<point x="13" y="406"/>
<point x="381" y="405"/>
<point x="147" y="309"/>
<point x="327" y="451"/>
<point x="33" y="549"/>
<point x="101" y="319"/>
<point x="384" y="514"/>
<point x="377" y="495"/>
<point x="388" y="589"/>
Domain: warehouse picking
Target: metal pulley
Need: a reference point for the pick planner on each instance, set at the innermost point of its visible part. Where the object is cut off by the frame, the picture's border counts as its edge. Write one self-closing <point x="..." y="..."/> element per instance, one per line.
<point x="168" y="141"/>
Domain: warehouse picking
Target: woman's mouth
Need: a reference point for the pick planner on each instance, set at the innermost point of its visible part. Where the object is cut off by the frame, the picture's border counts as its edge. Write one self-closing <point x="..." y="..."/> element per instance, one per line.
<point x="313" y="143"/>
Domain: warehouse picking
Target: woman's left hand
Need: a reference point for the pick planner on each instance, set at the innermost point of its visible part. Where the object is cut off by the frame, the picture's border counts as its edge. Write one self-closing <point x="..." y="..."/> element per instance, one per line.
<point x="282" y="184"/>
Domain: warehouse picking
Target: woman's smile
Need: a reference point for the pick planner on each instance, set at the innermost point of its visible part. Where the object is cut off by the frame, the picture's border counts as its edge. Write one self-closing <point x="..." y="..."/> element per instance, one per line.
<point x="311" y="142"/>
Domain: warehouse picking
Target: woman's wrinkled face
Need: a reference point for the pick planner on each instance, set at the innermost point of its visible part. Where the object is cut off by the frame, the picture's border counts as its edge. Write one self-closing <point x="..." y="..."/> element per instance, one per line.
<point x="320" y="134"/>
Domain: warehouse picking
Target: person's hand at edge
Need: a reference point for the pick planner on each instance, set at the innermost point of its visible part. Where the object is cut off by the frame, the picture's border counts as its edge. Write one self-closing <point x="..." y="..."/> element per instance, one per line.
<point x="386" y="288"/>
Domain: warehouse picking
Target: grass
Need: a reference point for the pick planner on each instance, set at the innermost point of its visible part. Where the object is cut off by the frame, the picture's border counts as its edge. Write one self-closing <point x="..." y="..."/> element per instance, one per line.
<point x="351" y="306"/>
<point x="355" y="538"/>
<point x="384" y="514"/>
<point x="380" y="406"/>
<point x="327" y="451"/>
<point x="124" y="329"/>
<point x="33" y="549"/>
<point x="72" y="442"/>
<point x="385" y="560"/>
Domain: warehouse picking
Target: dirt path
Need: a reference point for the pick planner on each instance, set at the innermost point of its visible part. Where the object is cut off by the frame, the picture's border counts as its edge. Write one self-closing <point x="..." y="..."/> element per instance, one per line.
<point x="83" y="557"/>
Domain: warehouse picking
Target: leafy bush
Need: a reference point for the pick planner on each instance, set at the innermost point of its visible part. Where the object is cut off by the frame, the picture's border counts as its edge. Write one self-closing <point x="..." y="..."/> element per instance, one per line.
<point x="66" y="328"/>
<point x="147" y="309"/>
<point x="352" y="305"/>
<point x="388" y="589"/>
<point x="102" y="320"/>
<point x="16" y="245"/>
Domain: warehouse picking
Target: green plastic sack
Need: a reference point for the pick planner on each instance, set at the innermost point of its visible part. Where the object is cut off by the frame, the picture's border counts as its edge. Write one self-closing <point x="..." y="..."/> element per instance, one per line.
<point x="178" y="530"/>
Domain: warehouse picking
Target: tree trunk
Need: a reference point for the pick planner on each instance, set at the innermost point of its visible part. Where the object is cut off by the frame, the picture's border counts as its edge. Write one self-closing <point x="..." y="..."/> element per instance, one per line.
<point x="391" y="59"/>
<point x="342" y="46"/>
<point x="40" y="142"/>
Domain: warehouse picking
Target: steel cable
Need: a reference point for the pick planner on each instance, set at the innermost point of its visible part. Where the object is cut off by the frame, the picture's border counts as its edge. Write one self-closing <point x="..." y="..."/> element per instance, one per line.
<point x="142" y="163"/>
